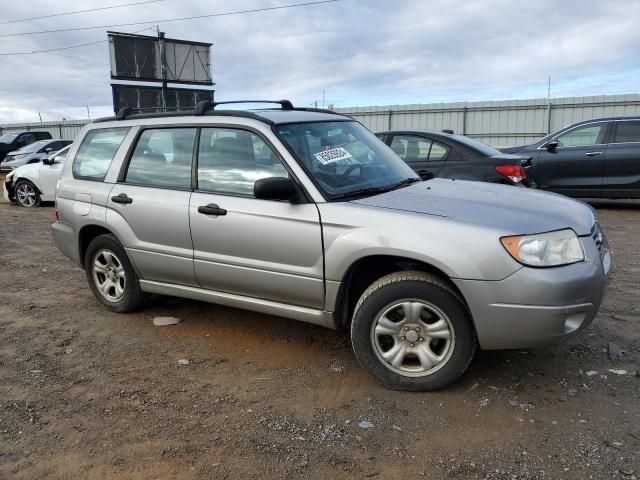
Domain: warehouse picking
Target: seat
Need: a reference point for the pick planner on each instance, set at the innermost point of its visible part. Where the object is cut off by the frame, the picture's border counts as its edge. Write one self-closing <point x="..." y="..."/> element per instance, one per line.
<point x="399" y="149"/>
<point x="413" y="151"/>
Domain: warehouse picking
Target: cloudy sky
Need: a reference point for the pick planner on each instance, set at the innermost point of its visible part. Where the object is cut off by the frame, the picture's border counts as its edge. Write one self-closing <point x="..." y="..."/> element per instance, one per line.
<point x="360" y="52"/>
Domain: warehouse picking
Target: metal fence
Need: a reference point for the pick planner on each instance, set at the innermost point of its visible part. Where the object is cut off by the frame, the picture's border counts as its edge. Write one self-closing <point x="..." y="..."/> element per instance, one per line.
<point x="497" y="123"/>
<point x="66" y="130"/>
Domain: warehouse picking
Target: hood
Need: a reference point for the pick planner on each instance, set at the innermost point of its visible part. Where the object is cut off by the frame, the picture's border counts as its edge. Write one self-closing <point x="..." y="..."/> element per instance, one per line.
<point x="512" y="209"/>
<point x="30" y="169"/>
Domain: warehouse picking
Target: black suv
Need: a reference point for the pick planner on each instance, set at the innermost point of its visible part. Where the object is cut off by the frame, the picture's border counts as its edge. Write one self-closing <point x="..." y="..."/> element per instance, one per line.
<point x="597" y="158"/>
<point x="14" y="140"/>
<point x="444" y="154"/>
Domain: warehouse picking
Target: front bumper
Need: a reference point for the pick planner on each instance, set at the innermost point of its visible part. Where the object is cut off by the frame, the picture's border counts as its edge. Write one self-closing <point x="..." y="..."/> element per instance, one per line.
<point x="537" y="306"/>
<point x="9" y="192"/>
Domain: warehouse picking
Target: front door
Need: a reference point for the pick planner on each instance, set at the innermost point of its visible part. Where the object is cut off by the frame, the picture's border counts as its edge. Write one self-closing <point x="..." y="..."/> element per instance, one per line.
<point x="575" y="167"/>
<point x="621" y="177"/>
<point x="150" y="205"/>
<point x="264" y="249"/>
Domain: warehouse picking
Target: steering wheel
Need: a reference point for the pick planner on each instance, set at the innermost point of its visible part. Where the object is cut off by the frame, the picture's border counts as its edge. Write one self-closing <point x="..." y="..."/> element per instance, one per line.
<point x="345" y="176"/>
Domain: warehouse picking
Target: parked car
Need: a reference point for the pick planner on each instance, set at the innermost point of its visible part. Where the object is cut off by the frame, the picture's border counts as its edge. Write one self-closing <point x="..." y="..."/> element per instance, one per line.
<point x="307" y="215"/>
<point x="32" y="153"/>
<point x="15" y="140"/>
<point x="444" y="154"/>
<point x="596" y="158"/>
<point x="31" y="184"/>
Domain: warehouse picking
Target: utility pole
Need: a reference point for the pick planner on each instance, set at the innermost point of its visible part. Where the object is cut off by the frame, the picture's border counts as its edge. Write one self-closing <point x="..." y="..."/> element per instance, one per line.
<point x="549" y="105"/>
<point x="88" y="114"/>
<point x="163" y="60"/>
<point x="40" y="116"/>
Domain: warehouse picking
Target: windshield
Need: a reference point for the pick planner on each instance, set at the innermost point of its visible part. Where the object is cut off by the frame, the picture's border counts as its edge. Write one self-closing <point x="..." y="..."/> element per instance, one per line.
<point x="345" y="158"/>
<point x="8" y="137"/>
<point x="476" y="145"/>
<point x="35" y="146"/>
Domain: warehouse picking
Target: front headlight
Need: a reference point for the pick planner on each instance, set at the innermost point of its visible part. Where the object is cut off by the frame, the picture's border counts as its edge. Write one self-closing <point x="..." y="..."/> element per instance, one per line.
<point x="551" y="249"/>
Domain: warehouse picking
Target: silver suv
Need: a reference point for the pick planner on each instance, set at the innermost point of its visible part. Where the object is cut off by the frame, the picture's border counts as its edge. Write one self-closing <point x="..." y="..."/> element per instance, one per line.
<point x="305" y="214"/>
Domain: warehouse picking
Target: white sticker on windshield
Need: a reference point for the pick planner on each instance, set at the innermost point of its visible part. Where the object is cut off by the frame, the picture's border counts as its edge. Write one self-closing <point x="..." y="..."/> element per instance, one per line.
<point x="333" y="155"/>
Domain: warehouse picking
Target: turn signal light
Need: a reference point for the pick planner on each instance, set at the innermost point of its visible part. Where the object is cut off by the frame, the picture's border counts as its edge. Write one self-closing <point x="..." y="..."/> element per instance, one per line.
<point x="516" y="173"/>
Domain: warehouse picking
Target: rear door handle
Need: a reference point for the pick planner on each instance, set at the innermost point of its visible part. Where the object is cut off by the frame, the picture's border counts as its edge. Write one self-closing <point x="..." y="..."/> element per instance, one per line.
<point x="212" y="209"/>
<point x="593" y="154"/>
<point x="122" y="198"/>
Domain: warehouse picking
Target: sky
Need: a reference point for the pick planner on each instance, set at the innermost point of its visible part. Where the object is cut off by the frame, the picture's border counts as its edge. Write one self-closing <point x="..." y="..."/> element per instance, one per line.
<point x="354" y="52"/>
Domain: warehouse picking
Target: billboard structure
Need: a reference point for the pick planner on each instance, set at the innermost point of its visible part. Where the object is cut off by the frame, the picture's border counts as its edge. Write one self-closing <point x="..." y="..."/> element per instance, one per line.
<point x="142" y="58"/>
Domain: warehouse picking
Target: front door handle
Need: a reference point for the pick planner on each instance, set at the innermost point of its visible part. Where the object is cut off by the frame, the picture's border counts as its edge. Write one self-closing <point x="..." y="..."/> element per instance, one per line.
<point x="212" y="209"/>
<point x="593" y="154"/>
<point x="122" y="198"/>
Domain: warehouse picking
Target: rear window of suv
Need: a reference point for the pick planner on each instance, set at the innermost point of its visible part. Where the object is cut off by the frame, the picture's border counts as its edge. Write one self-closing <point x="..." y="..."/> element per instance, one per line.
<point x="96" y="152"/>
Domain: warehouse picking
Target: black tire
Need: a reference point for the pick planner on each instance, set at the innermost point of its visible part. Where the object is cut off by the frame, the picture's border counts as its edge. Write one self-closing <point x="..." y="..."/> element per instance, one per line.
<point x="413" y="286"/>
<point x="131" y="297"/>
<point x="34" y="194"/>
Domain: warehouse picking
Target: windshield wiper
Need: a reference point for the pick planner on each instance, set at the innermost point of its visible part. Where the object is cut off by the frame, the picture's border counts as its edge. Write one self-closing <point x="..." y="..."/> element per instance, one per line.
<point x="362" y="192"/>
<point x="405" y="182"/>
<point x="375" y="190"/>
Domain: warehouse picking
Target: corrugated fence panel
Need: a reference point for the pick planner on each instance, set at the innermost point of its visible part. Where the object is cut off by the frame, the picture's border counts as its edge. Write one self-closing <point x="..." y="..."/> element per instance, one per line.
<point x="498" y="123"/>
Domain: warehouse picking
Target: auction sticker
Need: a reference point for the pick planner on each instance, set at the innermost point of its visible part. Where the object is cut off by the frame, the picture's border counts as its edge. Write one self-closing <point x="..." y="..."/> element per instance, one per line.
<point x="333" y="155"/>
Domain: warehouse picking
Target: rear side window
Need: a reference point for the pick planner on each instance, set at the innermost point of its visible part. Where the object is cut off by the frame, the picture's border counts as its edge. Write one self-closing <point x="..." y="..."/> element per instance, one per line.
<point x="162" y="158"/>
<point x="96" y="152"/>
<point x="627" y="132"/>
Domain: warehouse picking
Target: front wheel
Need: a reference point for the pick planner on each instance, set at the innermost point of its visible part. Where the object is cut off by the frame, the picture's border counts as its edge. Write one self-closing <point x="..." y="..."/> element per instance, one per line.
<point x="27" y="194"/>
<point x="411" y="331"/>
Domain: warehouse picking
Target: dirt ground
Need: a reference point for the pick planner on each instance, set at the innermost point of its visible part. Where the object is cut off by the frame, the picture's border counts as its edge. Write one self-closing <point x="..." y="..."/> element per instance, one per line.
<point x="89" y="394"/>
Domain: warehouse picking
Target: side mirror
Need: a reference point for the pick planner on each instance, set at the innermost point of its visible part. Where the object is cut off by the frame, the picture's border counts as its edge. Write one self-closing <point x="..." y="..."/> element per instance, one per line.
<point x="552" y="145"/>
<point x="48" y="150"/>
<point x="47" y="161"/>
<point x="275" y="188"/>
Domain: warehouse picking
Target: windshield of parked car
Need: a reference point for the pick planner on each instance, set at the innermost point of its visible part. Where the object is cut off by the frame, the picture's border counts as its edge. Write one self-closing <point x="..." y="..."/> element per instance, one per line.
<point x="483" y="148"/>
<point x="8" y="137"/>
<point x="344" y="159"/>
<point x="33" y="147"/>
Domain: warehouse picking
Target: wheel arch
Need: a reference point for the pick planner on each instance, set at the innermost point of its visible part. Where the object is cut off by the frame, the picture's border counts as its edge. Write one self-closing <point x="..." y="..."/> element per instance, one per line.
<point x="366" y="270"/>
<point x="86" y="234"/>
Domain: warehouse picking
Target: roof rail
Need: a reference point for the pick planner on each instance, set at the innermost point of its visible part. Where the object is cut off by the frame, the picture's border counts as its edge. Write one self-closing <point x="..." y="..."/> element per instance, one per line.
<point x="204" y="105"/>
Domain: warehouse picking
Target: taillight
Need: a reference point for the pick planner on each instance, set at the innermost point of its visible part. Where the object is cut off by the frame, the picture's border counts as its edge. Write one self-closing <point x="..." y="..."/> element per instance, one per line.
<point x="516" y="173"/>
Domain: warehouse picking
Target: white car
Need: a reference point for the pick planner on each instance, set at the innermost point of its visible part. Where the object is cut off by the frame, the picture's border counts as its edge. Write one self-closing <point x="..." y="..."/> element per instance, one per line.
<point x="31" y="184"/>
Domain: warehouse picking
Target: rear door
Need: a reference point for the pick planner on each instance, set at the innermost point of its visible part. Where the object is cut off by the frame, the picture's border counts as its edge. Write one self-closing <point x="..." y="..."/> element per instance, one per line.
<point x="621" y="178"/>
<point x="264" y="249"/>
<point x="575" y="167"/>
<point x="424" y="155"/>
<point x="149" y="206"/>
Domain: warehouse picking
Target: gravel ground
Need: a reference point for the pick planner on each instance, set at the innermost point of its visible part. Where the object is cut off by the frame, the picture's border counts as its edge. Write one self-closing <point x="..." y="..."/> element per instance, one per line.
<point x="85" y="393"/>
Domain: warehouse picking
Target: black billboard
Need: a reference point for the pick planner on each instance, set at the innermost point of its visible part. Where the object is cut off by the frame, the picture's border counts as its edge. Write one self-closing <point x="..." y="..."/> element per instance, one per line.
<point x="149" y="99"/>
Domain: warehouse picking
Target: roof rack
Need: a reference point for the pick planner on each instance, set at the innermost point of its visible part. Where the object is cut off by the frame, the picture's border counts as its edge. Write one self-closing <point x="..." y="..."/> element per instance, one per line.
<point x="204" y="105"/>
<point x="207" y="107"/>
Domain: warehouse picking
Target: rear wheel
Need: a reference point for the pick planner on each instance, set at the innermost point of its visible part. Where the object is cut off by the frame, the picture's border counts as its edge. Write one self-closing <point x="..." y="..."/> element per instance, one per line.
<point x="27" y="194"/>
<point x="411" y="331"/>
<point x="111" y="276"/>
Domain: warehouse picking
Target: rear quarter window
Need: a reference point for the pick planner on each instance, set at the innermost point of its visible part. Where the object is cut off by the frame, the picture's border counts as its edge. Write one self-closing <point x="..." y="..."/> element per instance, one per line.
<point x="96" y="152"/>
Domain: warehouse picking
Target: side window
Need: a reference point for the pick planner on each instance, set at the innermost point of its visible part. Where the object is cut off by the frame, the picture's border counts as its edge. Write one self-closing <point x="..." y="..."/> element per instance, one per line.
<point x="438" y="152"/>
<point x="230" y="161"/>
<point x="627" y="132"/>
<point x="411" y="149"/>
<point x="26" y="139"/>
<point x="583" y="136"/>
<point x="162" y="158"/>
<point x="96" y="152"/>
<point x="61" y="157"/>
